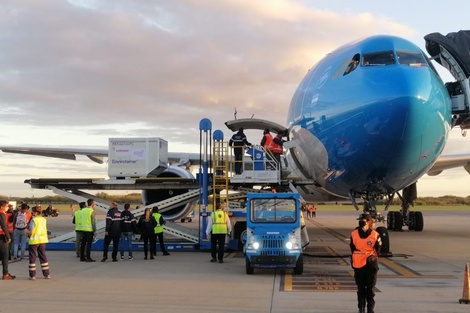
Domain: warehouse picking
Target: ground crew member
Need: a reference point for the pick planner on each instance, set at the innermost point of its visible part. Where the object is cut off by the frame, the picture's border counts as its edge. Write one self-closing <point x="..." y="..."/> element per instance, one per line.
<point x="365" y="247"/>
<point x="159" y="231"/>
<point x="277" y="145"/>
<point x="37" y="244"/>
<point x="217" y="228"/>
<point x="112" y="232"/>
<point x="20" y="233"/>
<point x="5" y="240"/>
<point x="267" y="143"/>
<point x="87" y="222"/>
<point x="78" y="232"/>
<point x="238" y="141"/>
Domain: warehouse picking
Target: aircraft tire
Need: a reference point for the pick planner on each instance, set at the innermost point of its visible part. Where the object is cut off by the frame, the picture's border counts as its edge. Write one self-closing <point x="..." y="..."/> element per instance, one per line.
<point x="419" y="221"/>
<point x="390" y="220"/>
<point x="385" y="238"/>
<point x="412" y="221"/>
<point x="182" y="220"/>
<point x="398" y="221"/>
<point x="249" y="269"/>
<point x="299" y="266"/>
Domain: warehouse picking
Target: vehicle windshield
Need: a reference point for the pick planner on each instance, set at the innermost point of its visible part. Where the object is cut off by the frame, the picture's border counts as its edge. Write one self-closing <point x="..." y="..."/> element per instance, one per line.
<point x="273" y="211"/>
<point x="411" y="58"/>
<point x="378" y="58"/>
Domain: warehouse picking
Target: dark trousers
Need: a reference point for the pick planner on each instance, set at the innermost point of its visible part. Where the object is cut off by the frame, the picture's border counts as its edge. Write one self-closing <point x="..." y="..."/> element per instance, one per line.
<point x="366" y="278"/>
<point x="160" y="240"/>
<point x="107" y="241"/>
<point x="85" y="245"/>
<point x="152" y="239"/>
<point x="78" y="240"/>
<point x="217" y="246"/>
<point x="36" y="251"/>
<point x="238" y="153"/>
<point x="4" y="254"/>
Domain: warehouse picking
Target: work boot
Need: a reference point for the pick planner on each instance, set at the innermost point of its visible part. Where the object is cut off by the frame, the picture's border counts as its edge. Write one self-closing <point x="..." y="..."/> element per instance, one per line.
<point x="8" y="277"/>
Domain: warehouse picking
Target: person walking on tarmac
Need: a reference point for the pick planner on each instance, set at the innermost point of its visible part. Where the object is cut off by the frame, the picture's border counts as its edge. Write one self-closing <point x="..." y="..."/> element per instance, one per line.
<point x="5" y="239"/>
<point x="238" y="141"/>
<point x="87" y="222"/>
<point x="146" y="226"/>
<point x="365" y="247"/>
<point x="37" y="231"/>
<point x="159" y="231"/>
<point x="128" y="227"/>
<point x="78" y="232"/>
<point x="217" y="228"/>
<point x="112" y="232"/>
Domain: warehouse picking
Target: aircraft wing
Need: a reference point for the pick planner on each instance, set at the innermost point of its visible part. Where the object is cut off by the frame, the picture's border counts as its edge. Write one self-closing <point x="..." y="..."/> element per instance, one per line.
<point x="445" y="162"/>
<point x="96" y="155"/>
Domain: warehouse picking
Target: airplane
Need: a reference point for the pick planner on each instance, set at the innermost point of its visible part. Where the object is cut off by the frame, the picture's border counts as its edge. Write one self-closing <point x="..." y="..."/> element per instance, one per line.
<point x="367" y="121"/>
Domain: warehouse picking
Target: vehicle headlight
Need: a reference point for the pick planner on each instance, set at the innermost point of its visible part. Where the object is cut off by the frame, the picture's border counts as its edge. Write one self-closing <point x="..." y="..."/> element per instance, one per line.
<point x="256" y="245"/>
<point x="292" y="243"/>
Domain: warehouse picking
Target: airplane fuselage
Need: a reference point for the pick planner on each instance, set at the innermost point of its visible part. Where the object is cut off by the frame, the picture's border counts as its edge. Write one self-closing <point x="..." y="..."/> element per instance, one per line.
<point x="370" y="118"/>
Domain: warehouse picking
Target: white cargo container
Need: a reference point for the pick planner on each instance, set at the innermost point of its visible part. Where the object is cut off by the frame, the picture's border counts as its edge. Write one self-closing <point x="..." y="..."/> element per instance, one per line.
<point x="137" y="157"/>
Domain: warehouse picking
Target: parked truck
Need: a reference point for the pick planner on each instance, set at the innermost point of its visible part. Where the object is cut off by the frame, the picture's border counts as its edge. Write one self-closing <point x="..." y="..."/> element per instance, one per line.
<point x="274" y="232"/>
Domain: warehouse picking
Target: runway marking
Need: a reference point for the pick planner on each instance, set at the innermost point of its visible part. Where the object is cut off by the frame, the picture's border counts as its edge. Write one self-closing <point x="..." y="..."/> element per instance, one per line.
<point x="403" y="271"/>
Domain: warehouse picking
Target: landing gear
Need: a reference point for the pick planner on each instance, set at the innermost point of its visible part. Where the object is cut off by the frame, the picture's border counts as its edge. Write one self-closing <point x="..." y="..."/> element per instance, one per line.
<point x="413" y="219"/>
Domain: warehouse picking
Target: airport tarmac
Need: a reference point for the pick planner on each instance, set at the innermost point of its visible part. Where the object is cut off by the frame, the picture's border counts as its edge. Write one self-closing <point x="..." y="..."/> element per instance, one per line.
<point x="426" y="274"/>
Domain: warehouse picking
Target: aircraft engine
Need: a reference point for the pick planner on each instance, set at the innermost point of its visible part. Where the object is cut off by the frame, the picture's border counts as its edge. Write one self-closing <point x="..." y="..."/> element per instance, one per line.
<point x="155" y="195"/>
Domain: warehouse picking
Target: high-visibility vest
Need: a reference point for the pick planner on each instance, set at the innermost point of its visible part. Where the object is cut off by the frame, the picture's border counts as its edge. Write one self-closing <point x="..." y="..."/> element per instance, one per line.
<point x="159" y="228"/>
<point x="9" y="217"/>
<point x="364" y="248"/>
<point x="39" y="231"/>
<point x="78" y="220"/>
<point x="219" y="222"/>
<point x="84" y="220"/>
<point x="2" y="231"/>
<point x="276" y="148"/>
<point x="268" y="144"/>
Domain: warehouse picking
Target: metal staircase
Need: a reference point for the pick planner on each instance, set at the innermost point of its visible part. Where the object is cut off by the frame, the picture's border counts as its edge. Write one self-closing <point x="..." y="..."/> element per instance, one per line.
<point x="220" y="182"/>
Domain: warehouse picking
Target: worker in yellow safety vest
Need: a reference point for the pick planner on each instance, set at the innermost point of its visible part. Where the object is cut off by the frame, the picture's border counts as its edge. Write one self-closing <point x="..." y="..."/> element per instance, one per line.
<point x="37" y="231"/>
<point x="86" y="223"/>
<point x="365" y="244"/>
<point x="218" y="227"/>
<point x="158" y="232"/>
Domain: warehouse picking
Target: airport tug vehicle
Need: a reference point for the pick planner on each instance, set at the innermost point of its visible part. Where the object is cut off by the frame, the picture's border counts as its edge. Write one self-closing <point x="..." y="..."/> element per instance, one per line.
<point x="273" y="234"/>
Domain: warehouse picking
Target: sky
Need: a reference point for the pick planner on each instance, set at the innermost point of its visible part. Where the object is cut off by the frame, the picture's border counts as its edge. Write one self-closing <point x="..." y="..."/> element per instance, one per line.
<point x="75" y="73"/>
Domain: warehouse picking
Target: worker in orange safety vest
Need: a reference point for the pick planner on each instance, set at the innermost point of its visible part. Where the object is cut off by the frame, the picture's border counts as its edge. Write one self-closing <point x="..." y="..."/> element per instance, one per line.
<point x="365" y="247"/>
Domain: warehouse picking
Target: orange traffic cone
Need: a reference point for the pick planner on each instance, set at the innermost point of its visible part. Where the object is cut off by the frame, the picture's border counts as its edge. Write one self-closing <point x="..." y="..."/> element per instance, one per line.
<point x="466" y="286"/>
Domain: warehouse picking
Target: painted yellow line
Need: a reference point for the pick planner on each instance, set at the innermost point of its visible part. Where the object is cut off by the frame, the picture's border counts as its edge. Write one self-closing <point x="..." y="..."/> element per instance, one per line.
<point x="287" y="282"/>
<point x="404" y="272"/>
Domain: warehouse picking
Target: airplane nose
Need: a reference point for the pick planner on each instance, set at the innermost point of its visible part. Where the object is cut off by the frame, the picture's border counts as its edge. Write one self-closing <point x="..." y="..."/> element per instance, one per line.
<point x="405" y="127"/>
<point x="398" y="132"/>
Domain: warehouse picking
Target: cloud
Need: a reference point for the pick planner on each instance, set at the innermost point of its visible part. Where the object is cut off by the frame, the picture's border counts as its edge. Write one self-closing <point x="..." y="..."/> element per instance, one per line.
<point x="77" y="72"/>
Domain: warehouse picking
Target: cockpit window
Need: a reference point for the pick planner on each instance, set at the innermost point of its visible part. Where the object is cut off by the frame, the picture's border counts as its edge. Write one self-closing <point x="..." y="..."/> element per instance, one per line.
<point x="378" y="58"/>
<point x="352" y="64"/>
<point x="411" y="58"/>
